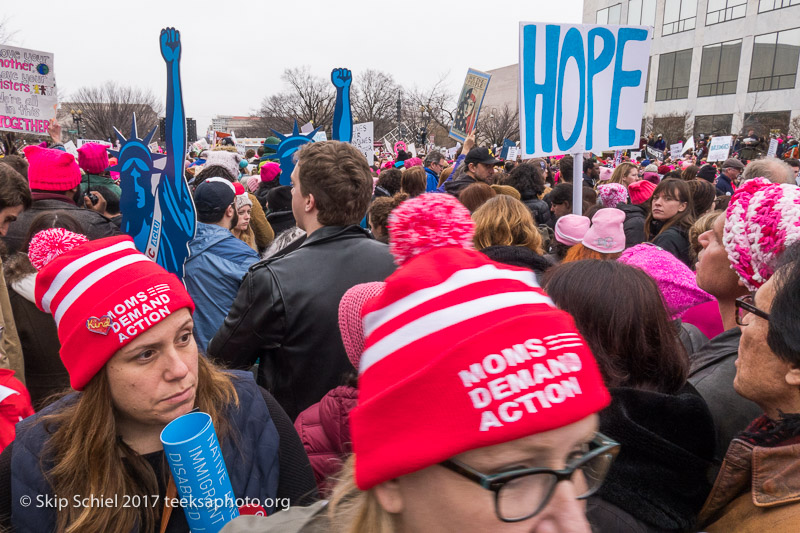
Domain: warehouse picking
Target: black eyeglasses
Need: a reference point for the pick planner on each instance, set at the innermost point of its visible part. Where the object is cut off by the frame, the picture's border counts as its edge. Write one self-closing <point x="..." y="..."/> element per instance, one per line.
<point x="522" y="494"/>
<point x="745" y="305"/>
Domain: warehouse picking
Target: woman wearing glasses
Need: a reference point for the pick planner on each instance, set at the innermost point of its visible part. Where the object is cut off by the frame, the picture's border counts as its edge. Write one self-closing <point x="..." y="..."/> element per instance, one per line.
<point x="477" y="406"/>
<point x="757" y="488"/>
<point x="666" y="433"/>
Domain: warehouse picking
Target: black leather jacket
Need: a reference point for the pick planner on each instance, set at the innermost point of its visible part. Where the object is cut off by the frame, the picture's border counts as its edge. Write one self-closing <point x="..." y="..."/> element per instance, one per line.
<point x="286" y="313"/>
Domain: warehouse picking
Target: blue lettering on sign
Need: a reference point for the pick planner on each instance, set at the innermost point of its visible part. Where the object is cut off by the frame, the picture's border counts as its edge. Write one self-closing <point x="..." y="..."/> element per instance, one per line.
<point x="590" y="58"/>
<point x="156" y="231"/>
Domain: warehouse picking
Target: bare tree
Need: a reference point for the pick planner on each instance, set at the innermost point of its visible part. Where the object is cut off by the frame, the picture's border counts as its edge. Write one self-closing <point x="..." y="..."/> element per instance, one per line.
<point x="7" y="35"/>
<point x="307" y="98"/>
<point x="374" y="100"/>
<point x="497" y="124"/>
<point x="794" y="127"/>
<point x="111" y="105"/>
<point x="673" y="127"/>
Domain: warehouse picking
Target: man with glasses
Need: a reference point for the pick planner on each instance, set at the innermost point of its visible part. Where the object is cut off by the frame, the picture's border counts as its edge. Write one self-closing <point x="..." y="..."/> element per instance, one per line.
<point x="757" y="488"/>
<point x="435" y="163"/>
<point x="732" y="168"/>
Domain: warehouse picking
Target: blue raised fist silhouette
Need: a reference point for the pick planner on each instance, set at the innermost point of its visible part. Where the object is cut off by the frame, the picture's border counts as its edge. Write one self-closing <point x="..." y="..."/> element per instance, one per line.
<point x="342" y="114"/>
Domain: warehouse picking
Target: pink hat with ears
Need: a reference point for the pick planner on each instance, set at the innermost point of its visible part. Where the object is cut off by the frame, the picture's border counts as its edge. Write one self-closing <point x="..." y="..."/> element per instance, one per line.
<point x="605" y="173"/>
<point x="606" y="234"/>
<point x="570" y="229"/>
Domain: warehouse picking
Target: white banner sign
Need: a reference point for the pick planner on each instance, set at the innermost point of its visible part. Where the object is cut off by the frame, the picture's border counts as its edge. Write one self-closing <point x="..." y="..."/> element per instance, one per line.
<point x="688" y="146"/>
<point x="513" y="152"/>
<point x="581" y="87"/>
<point x="635" y="155"/>
<point x="363" y="139"/>
<point x="412" y="150"/>
<point x="81" y="142"/>
<point x="773" y="148"/>
<point x="675" y="150"/>
<point x="719" y="148"/>
<point x="28" y="95"/>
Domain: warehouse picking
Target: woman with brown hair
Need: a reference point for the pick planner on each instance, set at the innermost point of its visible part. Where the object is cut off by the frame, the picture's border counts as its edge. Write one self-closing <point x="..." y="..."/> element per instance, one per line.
<point x="505" y="221"/>
<point x="125" y="327"/>
<point x="671" y="215"/>
<point x="413" y="181"/>
<point x="659" y="482"/>
<point x="475" y="195"/>
<point x="378" y="215"/>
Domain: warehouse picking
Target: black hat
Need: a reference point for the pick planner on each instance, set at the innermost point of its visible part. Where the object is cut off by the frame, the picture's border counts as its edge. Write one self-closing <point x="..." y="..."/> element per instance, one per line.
<point x="707" y="172"/>
<point x="279" y="199"/>
<point x="213" y="196"/>
<point x="480" y="155"/>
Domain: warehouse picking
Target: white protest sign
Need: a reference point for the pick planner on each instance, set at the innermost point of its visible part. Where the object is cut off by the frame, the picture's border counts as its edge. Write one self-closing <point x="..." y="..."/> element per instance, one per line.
<point x="363" y="140"/>
<point x="451" y="152"/>
<point x="308" y="127"/>
<point x="581" y="87"/>
<point x="70" y="147"/>
<point x="675" y="150"/>
<point x="773" y="148"/>
<point x="513" y="152"/>
<point x="412" y="150"/>
<point x="635" y="155"/>
<point x="28" y="95"/>
<point x="153" y="146"/>
<point x="688" y="146"/>
<point x="320" y="136"/>
<point x="81" y="142"/>
<point x="719" y="148"/>
<point x="617" y="157"/>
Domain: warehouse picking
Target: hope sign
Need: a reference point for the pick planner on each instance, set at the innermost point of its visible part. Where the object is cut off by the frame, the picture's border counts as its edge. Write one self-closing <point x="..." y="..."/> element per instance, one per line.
<point x="581" y="87"/>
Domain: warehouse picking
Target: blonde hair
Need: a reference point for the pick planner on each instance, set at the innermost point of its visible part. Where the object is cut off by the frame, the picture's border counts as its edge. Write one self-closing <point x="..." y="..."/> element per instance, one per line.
<point x="90" y="458"/>
<point x="700" y="226"/>
<point x="508" y="190"/>
<point x="620" y="172"/>
<point x="352" y="510"/>
<point x="505" y="221"/>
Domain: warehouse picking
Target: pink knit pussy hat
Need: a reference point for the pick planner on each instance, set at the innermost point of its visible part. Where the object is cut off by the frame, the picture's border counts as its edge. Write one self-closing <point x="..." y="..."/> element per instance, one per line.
<point x="762" y="220"/>
<point x="350" y="324"/>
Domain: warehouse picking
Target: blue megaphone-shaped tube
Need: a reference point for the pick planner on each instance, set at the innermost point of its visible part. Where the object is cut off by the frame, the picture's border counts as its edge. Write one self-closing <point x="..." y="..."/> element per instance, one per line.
<point x="198" y="468"/>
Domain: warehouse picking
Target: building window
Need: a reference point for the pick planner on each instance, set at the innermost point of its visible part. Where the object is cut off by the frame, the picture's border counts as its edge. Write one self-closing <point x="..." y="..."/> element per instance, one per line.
<point x="712" y="125"/>
<point x="765" y="123"/>
<point x="774" y="65"/>
<point x="769" y="5"/>
<point x="719" y="68"/>
<point x="609" y="15"/>
<point x="723" y="10"/>
<point x="679" y="15"/>
<point x="643" y="12"/>
<point x="673" y="75"/>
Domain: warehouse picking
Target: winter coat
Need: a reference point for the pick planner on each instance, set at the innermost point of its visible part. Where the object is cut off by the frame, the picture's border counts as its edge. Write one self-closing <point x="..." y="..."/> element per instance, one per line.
<point x="37" y="331"/>
<point x="690" y="336"/>
<point x="539" y="209"/>
<point x="94" y="180"/>
<point x="15" y="405"/>
<point x="724" y="186"/>
<point x="281" y="221"/>
<point x="712" y="372"/>
<point x="633" y="226"/>
<point x="217" y="263"/>
<point x="262" y="231"/>
<point x="457" y="185"/>
<point x="311" y="519"/>
<point x="674" y="239"/>
<point x="251" y="458"/>
<point x="95" y="225"/>
<point x="757" y="491"/>
<point x="324" y="429"/>
<point x="432" y="182"/>
<point x="519" y="256"/>
<point x="667" y="444"/>
<point x="11" y="353"/>
<point x="286" y="314"/>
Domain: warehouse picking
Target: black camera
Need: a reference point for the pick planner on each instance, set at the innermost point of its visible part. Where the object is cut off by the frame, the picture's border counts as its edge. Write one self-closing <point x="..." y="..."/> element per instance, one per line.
<point x="93" y="197"/>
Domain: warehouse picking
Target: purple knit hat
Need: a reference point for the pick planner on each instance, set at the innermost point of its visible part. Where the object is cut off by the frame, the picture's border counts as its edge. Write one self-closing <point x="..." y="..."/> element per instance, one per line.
<point x="350" y="324"/>
<point x="762" y="220"/>
<point x="675" y="280"/>
<point x="611" y="194"/>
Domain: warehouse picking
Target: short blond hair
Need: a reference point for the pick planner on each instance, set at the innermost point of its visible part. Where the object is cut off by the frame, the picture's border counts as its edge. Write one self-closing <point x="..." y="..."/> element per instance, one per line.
<point x="506" y="221"/>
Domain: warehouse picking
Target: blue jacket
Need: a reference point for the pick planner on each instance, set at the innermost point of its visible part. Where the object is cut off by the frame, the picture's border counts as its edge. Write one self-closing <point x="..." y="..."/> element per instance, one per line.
<point x="433" y="180"/>
<point x="216" y="266"/>
<point x="724" y="186"/>
<point x="251" y="457"/>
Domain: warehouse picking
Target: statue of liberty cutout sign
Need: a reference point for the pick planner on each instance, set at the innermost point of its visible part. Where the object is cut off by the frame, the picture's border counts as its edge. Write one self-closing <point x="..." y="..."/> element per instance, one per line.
<point x="156" y="204"/>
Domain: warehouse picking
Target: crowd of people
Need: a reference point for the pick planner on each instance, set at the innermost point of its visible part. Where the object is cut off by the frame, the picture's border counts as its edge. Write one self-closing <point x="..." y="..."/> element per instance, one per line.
<point x="423" y="345"/>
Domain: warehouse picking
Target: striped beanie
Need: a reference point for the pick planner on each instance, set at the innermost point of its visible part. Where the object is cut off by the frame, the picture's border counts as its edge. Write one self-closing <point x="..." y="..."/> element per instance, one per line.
<point x="762" y="220"/>
<point x="102" y="295"/>
<point x="462" y="353"/>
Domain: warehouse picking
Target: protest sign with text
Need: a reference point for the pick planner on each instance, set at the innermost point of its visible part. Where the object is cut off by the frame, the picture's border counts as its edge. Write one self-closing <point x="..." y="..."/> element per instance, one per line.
<point x="773" y="148"/>
<point x="719" y="148"/>
<point x="469" y="104"/>
<point x="28" y="95"/>
<point x="363" y="140"/>
<point x="574" y="79"/>
<point x="675" y="150"/>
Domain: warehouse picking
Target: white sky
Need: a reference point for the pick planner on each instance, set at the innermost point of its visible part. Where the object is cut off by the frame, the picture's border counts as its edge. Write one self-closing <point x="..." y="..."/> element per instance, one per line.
<point x="233" y="56"/>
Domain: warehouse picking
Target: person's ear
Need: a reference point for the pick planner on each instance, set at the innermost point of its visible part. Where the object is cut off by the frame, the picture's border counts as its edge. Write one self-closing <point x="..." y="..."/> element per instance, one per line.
<point x="793" y="376"/>
<point x="389" y="496"/>
<point x="682" y="207"/>
<point x="230" y="211"/>
<point x="309" y="203"/>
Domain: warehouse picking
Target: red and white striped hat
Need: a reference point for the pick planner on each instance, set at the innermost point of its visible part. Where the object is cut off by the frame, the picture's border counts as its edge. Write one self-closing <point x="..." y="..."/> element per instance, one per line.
<point x="102" y="295"/>
<point x="463" y="353"/>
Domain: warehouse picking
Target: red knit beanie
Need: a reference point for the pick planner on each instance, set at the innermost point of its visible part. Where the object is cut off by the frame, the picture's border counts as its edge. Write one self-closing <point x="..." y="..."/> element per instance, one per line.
<point x="640" y="191"/>
<point x="463" y="353"/>
<point x="93" y="158"/>
<point x="51" y="170"/>
<point x="102" y="295"/>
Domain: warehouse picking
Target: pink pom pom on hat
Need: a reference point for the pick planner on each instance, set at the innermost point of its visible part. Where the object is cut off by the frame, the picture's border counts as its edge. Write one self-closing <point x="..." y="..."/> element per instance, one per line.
<point x="762" y="220"/>
<point x="49" y="244"/>
<point x="427" y="222"/>
<point x="676" y="281"/>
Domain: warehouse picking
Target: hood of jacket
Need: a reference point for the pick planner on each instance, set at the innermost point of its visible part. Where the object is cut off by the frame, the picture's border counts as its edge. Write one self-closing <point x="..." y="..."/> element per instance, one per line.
<point x="633" y="210"/>
<point x="20" y="275"/>
<point x="207" y="235"/>
<point x="667" y="445"/>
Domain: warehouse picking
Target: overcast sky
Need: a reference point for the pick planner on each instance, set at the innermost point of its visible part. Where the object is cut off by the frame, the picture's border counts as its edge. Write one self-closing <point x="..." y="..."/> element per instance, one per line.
<point x="234" y="52"/>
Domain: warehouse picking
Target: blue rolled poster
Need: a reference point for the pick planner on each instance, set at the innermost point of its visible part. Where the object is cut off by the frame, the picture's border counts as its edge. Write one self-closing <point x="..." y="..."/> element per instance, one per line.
<point x="198" y="468"/>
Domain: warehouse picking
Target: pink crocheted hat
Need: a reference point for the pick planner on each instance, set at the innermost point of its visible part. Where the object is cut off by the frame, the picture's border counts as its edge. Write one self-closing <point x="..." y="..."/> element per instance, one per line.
<point x="676" y="281"/>
<point x="570" y="229"/>
<point x="611" y="194"/>
<point x="350" y="324"/>
<point x="762" y="220"/>
<point x="427" y="222"/>
<point x="606" y="234"/>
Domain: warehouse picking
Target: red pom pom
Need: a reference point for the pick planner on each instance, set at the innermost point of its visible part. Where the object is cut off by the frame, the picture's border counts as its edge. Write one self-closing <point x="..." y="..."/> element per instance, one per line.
<point x="50" y="243"/>
<point x="238" y="188"/>
<point x="428" y="222"/>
